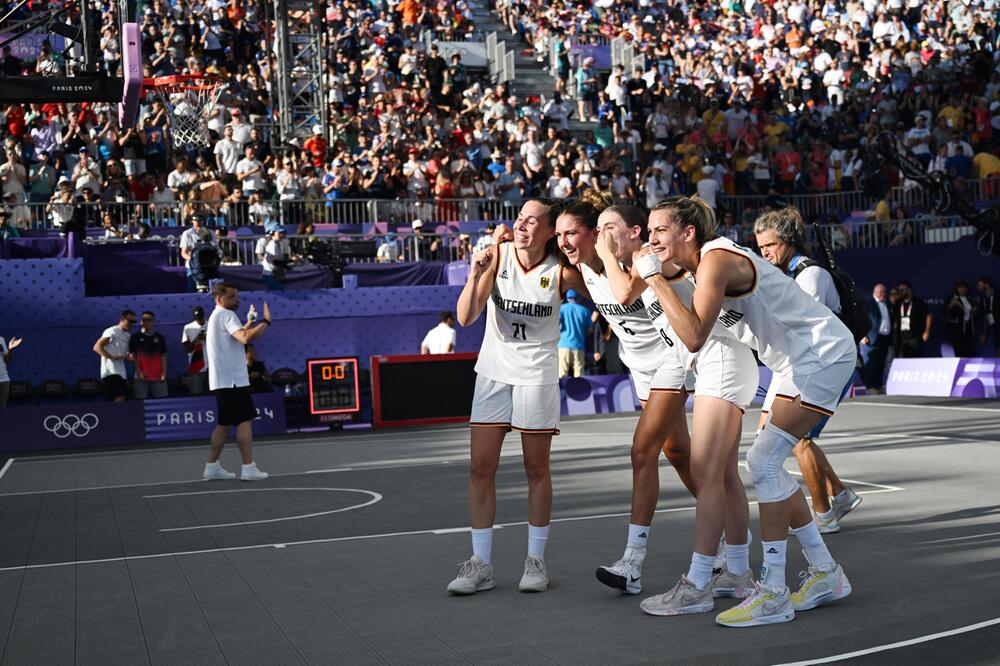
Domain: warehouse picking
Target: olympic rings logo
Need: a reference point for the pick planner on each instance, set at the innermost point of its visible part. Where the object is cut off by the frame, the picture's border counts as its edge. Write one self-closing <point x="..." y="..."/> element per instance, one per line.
<point x="71" y="424"/>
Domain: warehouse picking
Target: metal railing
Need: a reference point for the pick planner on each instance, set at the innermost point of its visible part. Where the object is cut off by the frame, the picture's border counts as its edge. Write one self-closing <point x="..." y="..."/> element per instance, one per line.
<point x="844" y="203"/>
<point x="390" y="248"/>
<point x="450" y="246"/>
<point x="402" y="212"/>
<point x="852" y="235"/>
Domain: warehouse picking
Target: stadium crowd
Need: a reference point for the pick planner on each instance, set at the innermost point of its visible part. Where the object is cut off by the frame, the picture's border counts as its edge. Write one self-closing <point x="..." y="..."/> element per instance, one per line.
<point x="736" y="98"/>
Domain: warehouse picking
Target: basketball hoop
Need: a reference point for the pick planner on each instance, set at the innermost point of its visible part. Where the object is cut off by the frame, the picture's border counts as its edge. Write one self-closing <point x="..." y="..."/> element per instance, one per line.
<point x="187" y="99"/>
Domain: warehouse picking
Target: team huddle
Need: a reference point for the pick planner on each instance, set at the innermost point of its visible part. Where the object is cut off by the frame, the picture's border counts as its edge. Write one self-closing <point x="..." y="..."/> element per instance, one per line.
<point x="690" y="309"/>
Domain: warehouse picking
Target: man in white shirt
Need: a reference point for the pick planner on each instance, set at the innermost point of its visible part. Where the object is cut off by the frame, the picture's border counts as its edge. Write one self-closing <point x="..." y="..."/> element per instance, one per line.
<point x="708" y="187"/>
<point x="112" y="347"/>
<point x="229" y="381"/>
<point x="250" y="172"/>
<point x="241" y="130"/>
<point x="193" y="339"/>
<point x="227" y="157"/>
<point x="918" y="140"/>
<point x="440" y="339"/>
<point x="181" y="179"/>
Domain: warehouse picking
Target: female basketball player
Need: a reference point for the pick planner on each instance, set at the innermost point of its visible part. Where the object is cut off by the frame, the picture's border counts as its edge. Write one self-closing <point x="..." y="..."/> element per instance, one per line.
<point x="517" y="386"/>
<point x="811" y="354"/>
<point x="725" y="383"/>
<point x="658" y="372"/>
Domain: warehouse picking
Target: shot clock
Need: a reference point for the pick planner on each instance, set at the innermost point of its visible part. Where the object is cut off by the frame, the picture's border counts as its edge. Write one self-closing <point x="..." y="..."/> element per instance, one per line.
<point x="333" y="386"/>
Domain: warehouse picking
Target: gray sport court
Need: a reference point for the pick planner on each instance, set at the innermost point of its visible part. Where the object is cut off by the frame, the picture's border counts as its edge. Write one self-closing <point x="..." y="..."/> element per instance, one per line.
<point x="342" y="557"/>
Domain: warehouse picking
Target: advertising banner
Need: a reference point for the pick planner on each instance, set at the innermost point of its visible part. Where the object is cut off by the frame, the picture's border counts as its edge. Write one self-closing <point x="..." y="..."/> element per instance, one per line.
<point x="70" y="426"/>
<point x="173" y="419"/>
<point x="976" y="378"/>
<point x="473" y="53"/>
<point x="933" y="377"/>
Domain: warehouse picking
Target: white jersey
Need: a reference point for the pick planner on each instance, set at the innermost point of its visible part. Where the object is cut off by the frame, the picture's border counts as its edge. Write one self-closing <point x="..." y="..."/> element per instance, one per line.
<point x="658" y="318"/>
<point x="520" y="346"/>
<point x="786" y="326"/>
<point x="642" y="348"/>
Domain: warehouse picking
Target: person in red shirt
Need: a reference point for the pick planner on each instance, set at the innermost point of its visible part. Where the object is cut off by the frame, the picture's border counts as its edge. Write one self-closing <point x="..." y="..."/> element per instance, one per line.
<point x="316" y="146"/>
<point x="147" y="348"/>
<point x="15" y="120"/>
<point x="789" y="163"/>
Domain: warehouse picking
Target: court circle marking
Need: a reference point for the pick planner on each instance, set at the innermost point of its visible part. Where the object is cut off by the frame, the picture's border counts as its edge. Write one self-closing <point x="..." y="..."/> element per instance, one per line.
<point x="374" y="497"/>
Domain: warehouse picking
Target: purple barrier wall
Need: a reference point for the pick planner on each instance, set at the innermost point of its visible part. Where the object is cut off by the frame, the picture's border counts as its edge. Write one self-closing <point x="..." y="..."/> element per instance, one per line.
<point x="82" y="425"/>
<point x="42" y="301"/>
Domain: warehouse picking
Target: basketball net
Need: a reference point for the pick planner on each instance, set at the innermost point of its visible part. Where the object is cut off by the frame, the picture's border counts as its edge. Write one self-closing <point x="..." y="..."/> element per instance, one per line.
<point x="187" y="104"/>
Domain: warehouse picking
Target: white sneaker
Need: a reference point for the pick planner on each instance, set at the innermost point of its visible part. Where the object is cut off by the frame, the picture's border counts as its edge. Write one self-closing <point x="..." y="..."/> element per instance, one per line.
<point x="849" y="503"/>
<point x="474" y="575"/>
<point x="251" y="473"/>
<point x="624" y="575"/>
<point x="535" y="578"/>
<point x="684" y="598"/>
<point x="828" y="525"/>
<point x="820" y="587"/>
<point x="728" y="584"/>
<point x="215" y="472"/>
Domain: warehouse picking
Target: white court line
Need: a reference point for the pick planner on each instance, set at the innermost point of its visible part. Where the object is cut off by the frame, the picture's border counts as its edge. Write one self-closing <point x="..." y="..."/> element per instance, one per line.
<point x="961" y="538"/>
<point x="893" y="646"/>
<point x="362" y="537"/>
<point x="900" y="404"/>
<point x="375" y="497"/>
<point x="10" y="461"/>
<point x="884" y="488"/>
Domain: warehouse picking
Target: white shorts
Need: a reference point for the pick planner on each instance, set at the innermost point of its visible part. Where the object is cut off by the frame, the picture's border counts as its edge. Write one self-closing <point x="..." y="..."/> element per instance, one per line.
<point x="820" y="391"/>
<point x="668" y="378"/>
<point x="725" y="368"/>
<point x="532" y="409"/>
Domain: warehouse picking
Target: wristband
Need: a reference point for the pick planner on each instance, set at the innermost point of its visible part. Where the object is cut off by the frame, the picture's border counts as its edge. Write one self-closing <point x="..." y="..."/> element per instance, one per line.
<point x="648" y="265"/>
<point x="266" y="321"/>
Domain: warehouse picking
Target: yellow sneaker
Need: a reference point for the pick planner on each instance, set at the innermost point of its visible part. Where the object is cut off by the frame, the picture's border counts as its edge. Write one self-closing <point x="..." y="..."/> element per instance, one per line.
<point x="820" y="587"/>
<point x="767" y="605"/>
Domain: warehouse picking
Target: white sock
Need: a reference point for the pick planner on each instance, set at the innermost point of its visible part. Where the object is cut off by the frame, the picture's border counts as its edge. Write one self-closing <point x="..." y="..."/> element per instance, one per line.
<point x="825" y="516"/>
<point x="773" y="571"/>
<point x="482" y="544"/>
<point x="638" y="535"/>
<point x="738" y="558"/>
<point x="537" y="536"/>
<point x="214" y="465"/>
<point x="700" y="571"/>
<point x="252" y="465"/>
<point x="813" y="546"/>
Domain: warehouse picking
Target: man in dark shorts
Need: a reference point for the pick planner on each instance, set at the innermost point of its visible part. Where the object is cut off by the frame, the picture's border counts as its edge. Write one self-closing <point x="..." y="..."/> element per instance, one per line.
<point x="112" y="347"/>
<point x="229" y="381"/>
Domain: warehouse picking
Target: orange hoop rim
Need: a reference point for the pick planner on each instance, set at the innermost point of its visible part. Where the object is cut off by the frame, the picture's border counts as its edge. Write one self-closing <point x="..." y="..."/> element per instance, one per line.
<point x="183" y="83"/>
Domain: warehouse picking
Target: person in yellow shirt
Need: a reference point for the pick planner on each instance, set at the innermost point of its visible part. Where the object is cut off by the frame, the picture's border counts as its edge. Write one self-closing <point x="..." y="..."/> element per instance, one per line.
<point x="986" y="165"/>
<point x="774" y="131"/>
<point x="954" y="114"/>
<point x="713" y="119"/>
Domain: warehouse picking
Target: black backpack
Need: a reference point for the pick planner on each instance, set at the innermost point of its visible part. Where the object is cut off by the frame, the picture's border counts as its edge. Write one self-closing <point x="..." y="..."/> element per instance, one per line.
<point x="853" y="306"/>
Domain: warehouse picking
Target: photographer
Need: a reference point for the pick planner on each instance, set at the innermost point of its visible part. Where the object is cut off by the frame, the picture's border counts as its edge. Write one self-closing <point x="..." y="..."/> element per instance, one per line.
<point x="275" y="255"/>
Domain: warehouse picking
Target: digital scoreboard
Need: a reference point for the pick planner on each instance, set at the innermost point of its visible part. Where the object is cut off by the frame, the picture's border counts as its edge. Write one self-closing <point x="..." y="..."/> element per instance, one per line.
<point x="333" y="386"/>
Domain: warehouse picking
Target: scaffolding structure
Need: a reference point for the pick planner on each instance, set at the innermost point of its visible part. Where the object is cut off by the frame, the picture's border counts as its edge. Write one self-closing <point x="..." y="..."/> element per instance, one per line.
<point x="298" y="82"/>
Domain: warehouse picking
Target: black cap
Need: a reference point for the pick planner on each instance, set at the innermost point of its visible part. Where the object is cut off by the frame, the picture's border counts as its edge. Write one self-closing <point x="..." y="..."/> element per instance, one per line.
<point x="198" y="311"/>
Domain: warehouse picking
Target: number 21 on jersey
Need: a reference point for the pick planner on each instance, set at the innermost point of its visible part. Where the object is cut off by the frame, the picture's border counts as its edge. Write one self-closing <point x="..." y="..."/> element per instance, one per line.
<point x="519" y="330"/>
